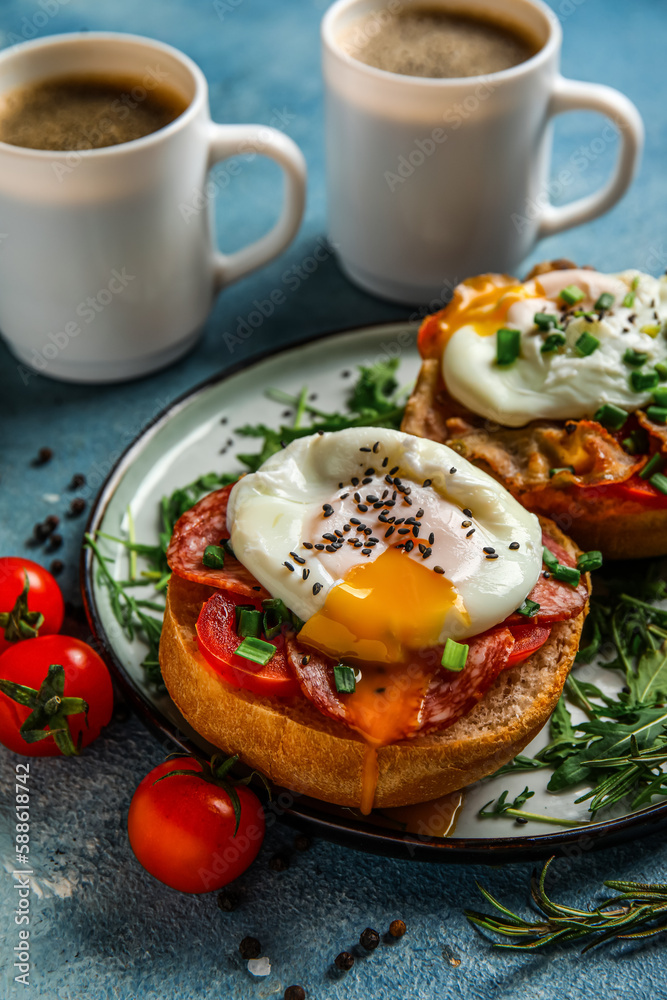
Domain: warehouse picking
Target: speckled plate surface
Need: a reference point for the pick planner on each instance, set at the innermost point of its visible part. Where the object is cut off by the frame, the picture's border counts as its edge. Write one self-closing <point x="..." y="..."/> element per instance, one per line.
<point x="196" y="435"/>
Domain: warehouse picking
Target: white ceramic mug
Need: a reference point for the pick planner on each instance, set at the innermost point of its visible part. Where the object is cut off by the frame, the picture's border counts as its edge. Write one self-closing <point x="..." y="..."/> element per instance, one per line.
<point x="433" y="180"/>
<point x="107" y="266"/>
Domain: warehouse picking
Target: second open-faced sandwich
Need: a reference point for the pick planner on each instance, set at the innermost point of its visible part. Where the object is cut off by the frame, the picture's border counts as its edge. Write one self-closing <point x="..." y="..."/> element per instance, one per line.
<point x="370" y="619"/>
<point x="557" y="386"/>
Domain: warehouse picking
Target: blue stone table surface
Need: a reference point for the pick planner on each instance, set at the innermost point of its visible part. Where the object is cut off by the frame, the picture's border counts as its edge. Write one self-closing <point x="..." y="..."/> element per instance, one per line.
<point x="100" y="926"/>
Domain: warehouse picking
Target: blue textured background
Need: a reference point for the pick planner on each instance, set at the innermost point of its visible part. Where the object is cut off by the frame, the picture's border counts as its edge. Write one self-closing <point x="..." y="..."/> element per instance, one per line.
<point x="102" y="928"/>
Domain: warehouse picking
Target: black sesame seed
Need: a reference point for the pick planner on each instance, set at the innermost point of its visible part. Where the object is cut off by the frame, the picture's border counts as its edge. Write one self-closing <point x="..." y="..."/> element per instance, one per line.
<point x="514" y="545"/>
<point x="319" y="546"/>
<point x="392" y="472"/>
<point x="256" y="588"/>
<point x="488" y="549"/>
<point x="377" y="505"/>
<point x="404" y="531"/>
<point x="355" y="520"/>
<point x="385" y="462"/>
<point x="427" y="552"/>
<point x="366" y="480"/>
<point x="330" y="548"/>
<point x="307" y="545"/>
<point x="389" y="531"/>
<point x="376" y="447"/>
<point x="354" y="481"/>
<point x="493" y="556"/>
<point x="346" y="373"/>
<point x="344" y="496"/>
<point x="362" y="507"/>
<point x="420" y="513"/>
<point x="366" y="552"/>
<point x="316" y="588"/>
<point x="340" y="486"/>
<point x="421" y="547"/>
<point x="297" y="558"/>
<point x="305" y="660"/>
<point x="415" y="531"/>
<point x="339" y="534"/>
<point x="409" y="546"/>
<point x="357" y="497"/>
<point x="288" y="565"/>
<point x="467" y="512"/>
<point x="466" y="524"/>
<point x="469" y="533"/>
<point x="400" y="520"/>
<point x="452" y="471"/>
<point x="390" y="503"/>
<point x="438" y="569"/>
<point x="373" y="539"/>
<point x="347" y="527"/>
<point x="427" y="482"/>
<point x="371" y="499"/>
<point x="368" y="531"/>
<point x="305" y="574"/>
<point x="546" y="575"/>
<point x="327" y="513"/>
<point x="431" y="539"/>
<point x="369" y="472"/>
<point x="329" y="536"/>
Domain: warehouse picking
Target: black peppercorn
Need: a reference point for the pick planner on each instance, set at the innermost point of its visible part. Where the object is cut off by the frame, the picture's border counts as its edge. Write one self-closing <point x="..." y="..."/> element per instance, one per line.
<point x="77" y="506"/>
<point x="44" y="455"/>
<point x="302" y="842"/>
<point x="279" y="863"/>
<point x="56" y="567"/>
<point x="369" y="939"/>
<point x="250" y="948"/>
<point x="228" y="901"/>
<point x="397" y="928"/>
<point x="295" y="993"/>
<point x="78" y="480"/>
<point x="344" y="961"/>
<point x="55" y="541"/>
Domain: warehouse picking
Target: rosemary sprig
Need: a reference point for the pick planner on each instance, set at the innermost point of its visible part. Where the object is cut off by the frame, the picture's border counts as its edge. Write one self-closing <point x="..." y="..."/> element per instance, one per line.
<point x="501" y="807"/>
<point x="637" y="905"/>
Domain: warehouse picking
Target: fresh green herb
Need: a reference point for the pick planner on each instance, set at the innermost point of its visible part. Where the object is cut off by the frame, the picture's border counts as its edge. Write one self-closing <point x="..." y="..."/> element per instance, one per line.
<point x="508" y="346"/>
<point x="643" y="381"/>
<point x="660" y="395"/>
<point x="586" y="344"/>
<point x="546" y="321"/>
<point x="248" y="621"/>
<point x="454" y="655"/>
<point x="276" y="614"/>
<point x="256" y="650"/>
<point x="659" y="482"/>
<point x="528" y="608"/>
<point x="566" y="574"/>
<point x="610" y="416"/>
<point x="501" y="807"/>
<point x="552" y="342"/>
<point x="653" y="465"/>
<point x="638" y="911"/>
<point x="651" y="329"/>
<point x="661" y="369"/>
<point x="344" y="678"/>
<point x="560" y="468"/>
<point x="629" y="300"/>
<point x="605" y="301"/>
<point x="571" y="294"/>
<point x="658" y="414"/>
<point x="635" y="358"/>
<point x="214" y="557"/>
<point x="589" y="561"/>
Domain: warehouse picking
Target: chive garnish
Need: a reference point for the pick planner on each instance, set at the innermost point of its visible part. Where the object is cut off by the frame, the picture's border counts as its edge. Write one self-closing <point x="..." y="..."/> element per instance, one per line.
<point x="588" y="561"/>
<point x="275" y="615"/>
<point x="610" y="416"/>
<point x="572" y="294"/>
<point x="508" y="344"/>
<point x="546" y="321"/>
<point x="661" y="369"/>
<point x="653" y="465"/>
<point x="660" y="482"/>
<point x="454" y="655"/>
<point x="605" y="301"/>
<point x="658" y="414"/>
<point x="566" y="574"/>
<point x="214" y="557"/>
<point x="256" y="650"/>
<point x="552" y="342"/>
<point x="248" y="622"/>
<point x="528" y="608"/>
<point x="344" y="678"/>
<point x="660" y="395"/>
<point x="561" y="468"/>
<point x="629" y="300"/>
<point x="641" y="381"/>
<point x="586" y="344"/>
<point x="635" y="358"/>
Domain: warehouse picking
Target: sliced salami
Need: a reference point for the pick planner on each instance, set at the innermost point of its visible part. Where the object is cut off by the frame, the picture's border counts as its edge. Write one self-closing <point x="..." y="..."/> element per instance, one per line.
<point x="558" y="601"/>
<point x="202" y="525"/>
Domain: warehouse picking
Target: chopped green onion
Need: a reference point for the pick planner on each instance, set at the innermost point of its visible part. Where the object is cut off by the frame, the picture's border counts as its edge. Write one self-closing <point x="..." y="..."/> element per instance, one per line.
<point x="588" y="561"/>
<point x="661" y="369"/>
<point x="549" y="559"/>
<point x="248" y="622"/>
<point x="508" y="345"/>
<point x="572" y="294"/>
<point x="629" y="300"/>
<point x="605" y="301"/>
<point x="584" y="312"/>
<point x="660" y="395"/>
<point x="635" y="283"/>
<point x="654" y="464"/>
<point x="610" y="416"/>
<point x="454" y="655"/>
<point x="652" y="329"/>
<point x="586" y="344"/>
<point x="567" y="574"/>
<point x="296" y="621"/>
<point x="552" y="342"/>
<point x="256" y="650"/>
<point x="546" y="321"/>
<point x="214" y="557"/>
<point x="528" y="608"/>
<point x="635" y="358"/>
<point x="562" y="468"/>
<point x="658" y="414"/>
<point x="637" y="442"/>
<point x="275" y="614"/>
<point x="344" y="678"/>
<point x="659" y="481"/>
<point x="641" y="381"/>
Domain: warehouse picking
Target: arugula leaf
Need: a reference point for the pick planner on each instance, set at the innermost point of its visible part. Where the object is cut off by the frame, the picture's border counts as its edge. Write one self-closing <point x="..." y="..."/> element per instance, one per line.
<point x="649" y="684"/>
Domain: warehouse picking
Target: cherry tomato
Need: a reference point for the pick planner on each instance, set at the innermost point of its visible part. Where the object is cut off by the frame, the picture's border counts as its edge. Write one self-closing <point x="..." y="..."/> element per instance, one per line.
<point x="527" y="640"/>
<point x="86" y="676"/>
<point x="181" y="829"/>
<point x="218" y="641"/>
<point x="43" y="594"/>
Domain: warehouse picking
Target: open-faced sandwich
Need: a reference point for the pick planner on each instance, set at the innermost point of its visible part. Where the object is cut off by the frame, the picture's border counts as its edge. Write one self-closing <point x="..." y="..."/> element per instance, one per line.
<point x="557" y="386"/>
<point x="369" y="619"/>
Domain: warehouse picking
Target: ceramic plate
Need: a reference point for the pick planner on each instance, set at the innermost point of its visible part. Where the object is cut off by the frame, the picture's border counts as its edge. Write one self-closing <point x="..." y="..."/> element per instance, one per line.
<point x="196" y="435"/>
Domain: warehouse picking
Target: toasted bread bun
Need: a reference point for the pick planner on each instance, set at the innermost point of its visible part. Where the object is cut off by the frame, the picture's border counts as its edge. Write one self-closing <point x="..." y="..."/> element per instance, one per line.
<point x="299" y="748"/>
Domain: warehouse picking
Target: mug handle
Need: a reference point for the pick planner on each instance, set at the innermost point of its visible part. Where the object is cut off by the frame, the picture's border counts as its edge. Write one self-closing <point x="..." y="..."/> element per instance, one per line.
<point x="234" y="140"/>
<point x="574" y="95"/>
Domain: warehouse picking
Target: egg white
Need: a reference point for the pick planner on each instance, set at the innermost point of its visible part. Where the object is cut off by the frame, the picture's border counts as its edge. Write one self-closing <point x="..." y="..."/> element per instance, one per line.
<point x="560" y="385"/>
<point x="273" y="511"/>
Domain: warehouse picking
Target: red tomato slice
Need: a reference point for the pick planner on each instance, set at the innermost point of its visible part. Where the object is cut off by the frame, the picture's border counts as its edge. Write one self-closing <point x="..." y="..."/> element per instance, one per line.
<point x="633" y="489"/>
<point x="218" y="641"/>
<point x="527" y="640"/>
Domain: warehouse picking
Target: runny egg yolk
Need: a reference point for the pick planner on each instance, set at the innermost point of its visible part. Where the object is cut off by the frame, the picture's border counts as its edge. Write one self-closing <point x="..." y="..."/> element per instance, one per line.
<point x="382" y="611"/>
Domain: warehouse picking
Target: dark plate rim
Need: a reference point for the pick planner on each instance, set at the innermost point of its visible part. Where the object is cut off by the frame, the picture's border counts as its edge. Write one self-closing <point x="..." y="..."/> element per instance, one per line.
<point x="349" y="832"/>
